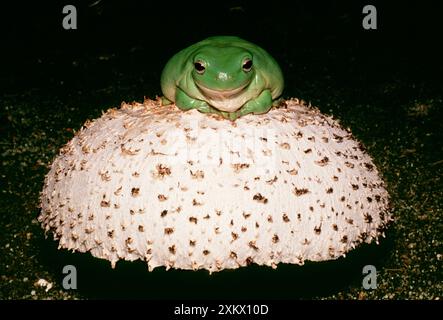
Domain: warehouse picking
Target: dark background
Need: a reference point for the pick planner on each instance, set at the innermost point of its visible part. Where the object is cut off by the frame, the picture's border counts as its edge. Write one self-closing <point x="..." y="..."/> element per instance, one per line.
<point x="135" y="38"/>
<point x="385" y="84"/>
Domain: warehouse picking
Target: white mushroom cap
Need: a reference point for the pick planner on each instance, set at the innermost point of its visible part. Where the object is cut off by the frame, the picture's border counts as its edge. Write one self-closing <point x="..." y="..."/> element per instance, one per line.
<point x="190" y="190"/>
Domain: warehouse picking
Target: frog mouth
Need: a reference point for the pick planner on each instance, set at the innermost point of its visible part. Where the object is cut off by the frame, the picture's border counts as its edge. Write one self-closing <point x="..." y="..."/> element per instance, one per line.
<point x="220" y="94"/>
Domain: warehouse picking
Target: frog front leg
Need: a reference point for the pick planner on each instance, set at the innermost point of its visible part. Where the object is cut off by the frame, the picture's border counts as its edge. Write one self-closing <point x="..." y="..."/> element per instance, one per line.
<point x="185" y="102"/>
<point x="261" y="104"/>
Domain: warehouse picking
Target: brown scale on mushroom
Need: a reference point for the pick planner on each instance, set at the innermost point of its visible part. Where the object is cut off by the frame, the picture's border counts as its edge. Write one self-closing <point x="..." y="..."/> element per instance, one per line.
<point x="258" y="197"/>
<point x="198" y="175"/>
<point x="252" y="244"/>
<point x="128" y="241"/>
<point x="196" y="203"/>
<point x="338" y="138"/>
<point x="300" y="191"/>
<point x="135" y="192"/>
<point x="105" y="204"/>
<point x="193" y="220"/>
<point x="89" y="230"/>
<point x="285" y="146"/>
<point x="349" y="164"/>
<point x="128" y="151"/>
<point x="162" y="171"/>
<point x="275" y="238"/>
<point x="368" y="218"/>
<point x="118" y="191"/>
<point x="240" y="166"/>
<point x="271" y="181"/>
<point x="105" y="176"/>
<point x="322" y="162"/>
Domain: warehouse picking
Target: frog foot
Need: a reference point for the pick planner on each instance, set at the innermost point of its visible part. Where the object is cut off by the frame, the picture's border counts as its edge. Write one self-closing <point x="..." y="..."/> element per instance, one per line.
<point x="163" y="101"/>
<point x="229" y="115"/>
<point x="233" y="116"/>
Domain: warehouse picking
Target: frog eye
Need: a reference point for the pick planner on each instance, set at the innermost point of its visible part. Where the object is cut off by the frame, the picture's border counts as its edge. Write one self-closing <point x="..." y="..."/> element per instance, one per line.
<point x="199" y="67"/>
<point x="247" y="65"/>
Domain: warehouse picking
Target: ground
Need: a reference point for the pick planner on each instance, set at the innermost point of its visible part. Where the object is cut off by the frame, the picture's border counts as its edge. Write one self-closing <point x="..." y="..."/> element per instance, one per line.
<point x="391" y="104"/>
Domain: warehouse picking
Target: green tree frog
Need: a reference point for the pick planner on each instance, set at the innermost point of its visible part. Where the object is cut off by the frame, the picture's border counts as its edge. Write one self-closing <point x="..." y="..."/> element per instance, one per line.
<point x="225" y="75"/>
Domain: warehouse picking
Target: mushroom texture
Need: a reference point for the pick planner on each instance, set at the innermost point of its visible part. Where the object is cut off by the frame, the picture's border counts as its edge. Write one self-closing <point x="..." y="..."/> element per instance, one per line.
<point x="191" y="191"/>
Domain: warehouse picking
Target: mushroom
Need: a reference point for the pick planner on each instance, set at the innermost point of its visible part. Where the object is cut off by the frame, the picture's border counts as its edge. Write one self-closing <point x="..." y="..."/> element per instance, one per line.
<point x="194" y="191"/>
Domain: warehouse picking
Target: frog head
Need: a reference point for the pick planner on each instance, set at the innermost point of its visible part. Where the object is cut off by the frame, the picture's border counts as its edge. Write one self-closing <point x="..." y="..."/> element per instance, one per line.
<point x="222" y="72"/>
